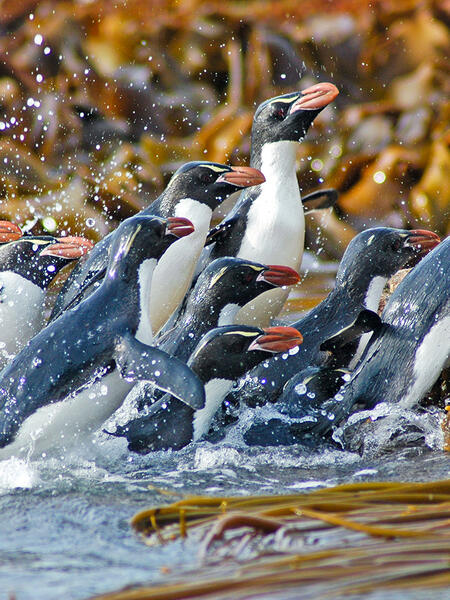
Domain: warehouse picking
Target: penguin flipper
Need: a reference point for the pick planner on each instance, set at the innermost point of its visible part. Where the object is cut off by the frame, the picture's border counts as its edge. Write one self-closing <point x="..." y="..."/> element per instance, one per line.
<point x="219" y="232"/>
<point x="138" y="362"/>
<point x="330" y="198"/>
<point x="366" y="321"/>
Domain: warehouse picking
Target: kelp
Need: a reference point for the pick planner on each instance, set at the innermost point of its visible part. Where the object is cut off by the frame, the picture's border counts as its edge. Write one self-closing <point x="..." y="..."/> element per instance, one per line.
<point x="348" y="539"/>
<point x="119" y="94"/>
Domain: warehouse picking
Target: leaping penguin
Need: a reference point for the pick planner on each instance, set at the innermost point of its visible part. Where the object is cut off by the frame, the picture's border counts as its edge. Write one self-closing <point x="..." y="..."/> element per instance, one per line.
<point x="194" y="191"/>
<point x="76" y="372"/>
<point x="267" y="224"/>
<point x="28" y="264"/>
<point x="222" y="355"/>
<point x="370" y="259"/>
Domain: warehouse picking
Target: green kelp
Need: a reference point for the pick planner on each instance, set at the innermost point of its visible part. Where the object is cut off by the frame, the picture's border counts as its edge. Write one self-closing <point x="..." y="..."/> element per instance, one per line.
<point x="114" y="96"/>
<point x="349" y="539"/>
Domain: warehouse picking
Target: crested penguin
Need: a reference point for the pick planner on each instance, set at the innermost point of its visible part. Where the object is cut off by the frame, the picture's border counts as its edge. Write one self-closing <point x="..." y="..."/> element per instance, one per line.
<point x="222" y="355"/>
<point x="409" y="348"/>
<point x="370" y="259"/>
<point x="28" y="264"/>
<point x="220" y="291"/>
<point x="267" y="224"/>
<point x="77" y="371"/>
<point x="194" y="191"/>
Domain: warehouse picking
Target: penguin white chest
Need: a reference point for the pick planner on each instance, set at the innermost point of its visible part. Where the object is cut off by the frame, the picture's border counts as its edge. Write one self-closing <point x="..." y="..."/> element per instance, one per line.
<point x="70" y="421"/>
<point x="20" y="313"/>
<point x="431" y="357"/>
<point x="275" y="230"/>
<point x="175" y="269"/>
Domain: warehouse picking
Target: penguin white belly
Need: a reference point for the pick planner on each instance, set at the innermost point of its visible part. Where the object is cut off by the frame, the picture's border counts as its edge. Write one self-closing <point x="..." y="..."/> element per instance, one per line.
<point x="20" y="314"/>
<point x="215" y="392"/>
<point x="431" y="357"/>
<point x="175" y="269"/>
<point x="66" y="423"/>
<point x="275" y="234"/>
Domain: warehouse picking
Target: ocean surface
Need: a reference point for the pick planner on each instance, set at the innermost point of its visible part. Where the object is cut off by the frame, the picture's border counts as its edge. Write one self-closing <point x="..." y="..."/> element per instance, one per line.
<point x="64" y="520"/>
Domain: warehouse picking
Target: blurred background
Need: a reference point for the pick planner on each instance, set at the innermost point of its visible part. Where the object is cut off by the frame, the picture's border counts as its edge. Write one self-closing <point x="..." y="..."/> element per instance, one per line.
<point x="100" y="101"/>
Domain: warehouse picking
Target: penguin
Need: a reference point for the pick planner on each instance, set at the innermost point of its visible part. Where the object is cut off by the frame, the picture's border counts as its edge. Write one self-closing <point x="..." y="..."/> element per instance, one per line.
<point x="267" y="224"/>
<point x="28" y="264"/>
<point x="409" y="348"/>
<point x="194" y="191"/>
<point x="77" y="371"/>
<point x="220" y="291"/>
<point x="222" y="355"/>
<point x="370" y="259"/>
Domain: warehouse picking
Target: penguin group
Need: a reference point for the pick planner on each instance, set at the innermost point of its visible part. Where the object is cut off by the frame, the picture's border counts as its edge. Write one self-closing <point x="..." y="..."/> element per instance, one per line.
<point x="182" y="315"/>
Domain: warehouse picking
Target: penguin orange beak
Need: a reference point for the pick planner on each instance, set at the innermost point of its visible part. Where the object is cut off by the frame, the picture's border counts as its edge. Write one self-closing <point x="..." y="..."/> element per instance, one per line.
<point x="422" y="240"/>
<point x="70" y="247"/>
<point x="279" y="275"/>
<point x="179" y="226"/>
<point x="9" y="232"/>
<point x="243" y="177"/>
<point x="315" y="97"/>
<point x="277" y="339"/>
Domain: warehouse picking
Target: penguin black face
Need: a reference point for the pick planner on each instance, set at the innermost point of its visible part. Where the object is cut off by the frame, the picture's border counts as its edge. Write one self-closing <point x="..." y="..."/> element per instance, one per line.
<point x="40" y="258"/>
<point x="382" y="251"/>
<point x="238" y="281"/>
<point x="228" y="352"/>
<point x="144" y="237"/>
<point x="211" y="183"/>
<point x="288" y="117"/>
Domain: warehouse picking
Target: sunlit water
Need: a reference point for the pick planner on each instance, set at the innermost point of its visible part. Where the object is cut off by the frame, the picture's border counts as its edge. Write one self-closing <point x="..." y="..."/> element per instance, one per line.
<point x="64" y="526"/>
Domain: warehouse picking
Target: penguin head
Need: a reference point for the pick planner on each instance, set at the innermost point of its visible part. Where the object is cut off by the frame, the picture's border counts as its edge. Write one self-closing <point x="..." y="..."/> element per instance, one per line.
<point x="144" y="237"/>
<point x="209" y="183"/>
<point x="237" y="281"/>
<point x="381" y="252"/>
<point x="228" y="352"/>
<point x="39" y="258"/>
<point x="288" y="117"/>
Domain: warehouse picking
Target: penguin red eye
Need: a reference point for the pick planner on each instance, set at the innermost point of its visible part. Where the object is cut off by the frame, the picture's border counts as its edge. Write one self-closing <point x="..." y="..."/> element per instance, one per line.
<point x="205" y="177"/>
<point x="396" y="245"/>
<point x="278" y="113"/>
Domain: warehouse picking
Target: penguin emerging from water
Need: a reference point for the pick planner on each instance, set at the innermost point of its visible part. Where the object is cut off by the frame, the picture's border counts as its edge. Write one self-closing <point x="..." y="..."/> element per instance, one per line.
<point x="28" y="264"/>
<point x="77" y="371"/>
<point x="409" y="348"/>
<point x="222" y="355"/>
<point x="224" y="287"/>
<point x="267" y="224"/>
<point x="194" y="191"/>
<point x="370" y="259"/>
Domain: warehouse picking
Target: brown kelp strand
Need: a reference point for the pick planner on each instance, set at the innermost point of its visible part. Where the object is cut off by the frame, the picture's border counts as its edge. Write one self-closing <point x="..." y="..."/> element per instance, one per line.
<point x="349" y="539"/>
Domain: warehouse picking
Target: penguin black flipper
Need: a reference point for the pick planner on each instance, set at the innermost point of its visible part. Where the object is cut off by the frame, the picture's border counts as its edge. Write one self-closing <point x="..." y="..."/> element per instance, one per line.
<point x="366" y="321"/>
<point x="310" y="202"/>
<point x="138" y="362"/>
<point x="220" y="231"/>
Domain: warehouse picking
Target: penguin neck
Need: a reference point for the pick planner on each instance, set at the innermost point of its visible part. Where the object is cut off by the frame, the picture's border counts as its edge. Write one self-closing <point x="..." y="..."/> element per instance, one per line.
<point x="132" y="286"/>
<point x="276" y="160"/>
<point x="359" y="289"/>
<point x="144" y="331"/>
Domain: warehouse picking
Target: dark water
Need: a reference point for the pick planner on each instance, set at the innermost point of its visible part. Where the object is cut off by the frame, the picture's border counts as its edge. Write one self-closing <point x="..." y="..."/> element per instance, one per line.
<point x="64" y="521"/>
